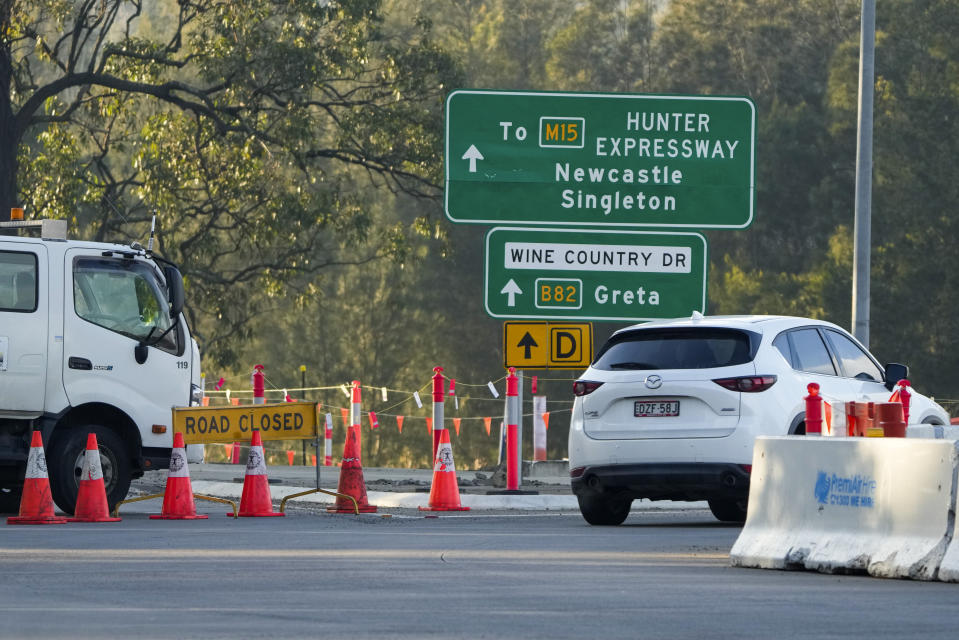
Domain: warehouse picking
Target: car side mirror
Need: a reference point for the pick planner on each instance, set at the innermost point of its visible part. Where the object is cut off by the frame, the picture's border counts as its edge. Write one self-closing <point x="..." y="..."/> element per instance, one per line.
<point x="174" y="283"/>
<point x="894" y="373"/>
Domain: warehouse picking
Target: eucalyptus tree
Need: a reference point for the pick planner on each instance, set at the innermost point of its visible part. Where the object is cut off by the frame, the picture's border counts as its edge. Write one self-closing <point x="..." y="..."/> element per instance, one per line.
<point x="258" y="131"/>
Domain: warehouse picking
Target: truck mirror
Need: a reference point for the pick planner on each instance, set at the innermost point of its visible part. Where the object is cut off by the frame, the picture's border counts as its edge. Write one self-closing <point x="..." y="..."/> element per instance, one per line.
<point x="174" y="283"/>
<point x="894" y="373"/>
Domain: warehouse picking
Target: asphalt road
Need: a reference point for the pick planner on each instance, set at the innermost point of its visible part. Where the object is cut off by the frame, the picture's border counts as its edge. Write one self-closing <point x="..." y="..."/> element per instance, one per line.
<point x="664" y="574"/>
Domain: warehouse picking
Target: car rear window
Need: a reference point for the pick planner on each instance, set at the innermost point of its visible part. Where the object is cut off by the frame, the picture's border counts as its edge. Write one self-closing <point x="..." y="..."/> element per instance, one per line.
<point x="694" y="348"/>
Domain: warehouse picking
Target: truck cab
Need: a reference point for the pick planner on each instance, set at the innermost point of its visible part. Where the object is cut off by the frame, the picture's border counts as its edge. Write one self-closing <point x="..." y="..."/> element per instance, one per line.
<point x="92" y="340"/>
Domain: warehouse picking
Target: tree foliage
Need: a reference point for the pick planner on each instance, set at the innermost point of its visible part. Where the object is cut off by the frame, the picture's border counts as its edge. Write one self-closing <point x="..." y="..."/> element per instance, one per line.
<point x="253" y="130"/>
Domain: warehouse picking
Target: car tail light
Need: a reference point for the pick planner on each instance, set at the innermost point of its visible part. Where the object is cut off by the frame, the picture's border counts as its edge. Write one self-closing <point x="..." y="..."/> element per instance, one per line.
<point x="748" y="468"/>
<point x="585" y="387"/>
<point x="747" y="384"/>
<point x="577" y="472"/>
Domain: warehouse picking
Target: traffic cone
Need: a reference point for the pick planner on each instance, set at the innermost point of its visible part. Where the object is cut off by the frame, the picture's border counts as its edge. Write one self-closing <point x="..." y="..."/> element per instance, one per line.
<point x="351" y="478"/>
<point x="92" y="494"/>
<point x="445" y="491"/>
<point x="178" y="501"/>
<point x="255" y="501"/>
<point x="36" y="505"/>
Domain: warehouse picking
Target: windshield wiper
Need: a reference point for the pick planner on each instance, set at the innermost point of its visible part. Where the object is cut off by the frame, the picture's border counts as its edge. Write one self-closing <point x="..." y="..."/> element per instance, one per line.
<point x="632" y="365"/>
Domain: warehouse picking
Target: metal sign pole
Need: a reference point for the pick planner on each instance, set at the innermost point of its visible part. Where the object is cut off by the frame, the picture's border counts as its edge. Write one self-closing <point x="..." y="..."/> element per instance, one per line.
<point x="316" y="444"/>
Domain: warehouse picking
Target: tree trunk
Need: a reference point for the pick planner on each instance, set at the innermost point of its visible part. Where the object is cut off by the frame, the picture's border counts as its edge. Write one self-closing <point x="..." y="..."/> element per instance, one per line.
<point x="9" y="141"/>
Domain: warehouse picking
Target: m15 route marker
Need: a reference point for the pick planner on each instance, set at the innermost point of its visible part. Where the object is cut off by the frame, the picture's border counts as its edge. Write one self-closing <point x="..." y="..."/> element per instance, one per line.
<point x="573" y="274"/>
<point x="619" y="160"/>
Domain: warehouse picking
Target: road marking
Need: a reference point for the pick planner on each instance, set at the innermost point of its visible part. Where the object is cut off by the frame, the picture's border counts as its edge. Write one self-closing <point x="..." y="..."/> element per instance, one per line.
<point x="563" y="556"/>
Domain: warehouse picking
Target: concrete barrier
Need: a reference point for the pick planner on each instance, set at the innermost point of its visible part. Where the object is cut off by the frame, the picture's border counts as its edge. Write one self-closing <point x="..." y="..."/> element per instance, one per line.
<point x="934" y="431"/>
<point x="949" y="567"/>
<point x="884" y="506"/>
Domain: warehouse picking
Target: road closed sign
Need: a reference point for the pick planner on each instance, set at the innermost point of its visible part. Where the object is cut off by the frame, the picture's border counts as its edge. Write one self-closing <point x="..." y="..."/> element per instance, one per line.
<point x="282" y="421"/>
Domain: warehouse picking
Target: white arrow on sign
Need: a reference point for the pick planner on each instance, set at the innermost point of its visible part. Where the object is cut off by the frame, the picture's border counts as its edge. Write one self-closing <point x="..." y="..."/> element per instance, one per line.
<point x="472" y="154"/>
<point x="512" y="290"/>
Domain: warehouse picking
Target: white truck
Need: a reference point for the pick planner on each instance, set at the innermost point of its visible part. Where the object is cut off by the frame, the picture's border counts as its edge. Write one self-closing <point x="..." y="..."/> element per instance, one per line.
<point x="92" y="339"/>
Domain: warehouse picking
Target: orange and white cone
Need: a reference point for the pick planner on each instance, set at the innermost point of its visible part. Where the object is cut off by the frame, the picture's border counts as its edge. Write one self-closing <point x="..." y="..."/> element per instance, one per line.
<point x="178" y="501"/>
<point x="445" y="490"/>
<point x="351" y="478"/>
<point x="92" y="494"/>
<point x="36" y="504"/>
<point x="255" y="500"/>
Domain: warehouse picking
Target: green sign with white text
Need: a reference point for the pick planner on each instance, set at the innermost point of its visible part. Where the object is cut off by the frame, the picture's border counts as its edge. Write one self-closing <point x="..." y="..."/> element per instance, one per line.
<point x="578" y="159"/>
<point x="573" y="274"/>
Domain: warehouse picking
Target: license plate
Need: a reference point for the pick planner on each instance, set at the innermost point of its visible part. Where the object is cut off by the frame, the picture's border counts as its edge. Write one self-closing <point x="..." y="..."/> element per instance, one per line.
<point x="659" y="409"/>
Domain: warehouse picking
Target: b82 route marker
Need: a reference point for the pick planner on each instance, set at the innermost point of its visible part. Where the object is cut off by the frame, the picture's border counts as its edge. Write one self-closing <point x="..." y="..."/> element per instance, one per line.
<point x="571" y="274"/>
<point x="617" y="160"/>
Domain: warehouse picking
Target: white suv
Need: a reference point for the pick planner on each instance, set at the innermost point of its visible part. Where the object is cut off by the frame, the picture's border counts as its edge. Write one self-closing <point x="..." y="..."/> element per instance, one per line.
<point x="669" y="410"/>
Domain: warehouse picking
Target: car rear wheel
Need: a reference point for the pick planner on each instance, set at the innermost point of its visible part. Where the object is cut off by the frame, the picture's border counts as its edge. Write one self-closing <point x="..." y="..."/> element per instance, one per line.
<point x="10" y="499"/>
<point x="728" y="510"/>
<point x="604" y="510"/>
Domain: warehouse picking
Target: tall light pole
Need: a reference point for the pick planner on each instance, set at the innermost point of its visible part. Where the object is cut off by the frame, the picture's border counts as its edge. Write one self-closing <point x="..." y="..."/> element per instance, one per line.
<point x="863" y="206"/>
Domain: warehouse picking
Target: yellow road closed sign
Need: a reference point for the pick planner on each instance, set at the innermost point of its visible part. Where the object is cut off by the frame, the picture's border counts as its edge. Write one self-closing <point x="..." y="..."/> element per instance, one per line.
<point x="281" y="421"/>
<point x="542" y="345"/>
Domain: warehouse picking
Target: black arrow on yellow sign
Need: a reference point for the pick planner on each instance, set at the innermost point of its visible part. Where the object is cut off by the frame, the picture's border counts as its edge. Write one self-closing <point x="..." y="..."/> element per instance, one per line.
<point x="527" y="342"/>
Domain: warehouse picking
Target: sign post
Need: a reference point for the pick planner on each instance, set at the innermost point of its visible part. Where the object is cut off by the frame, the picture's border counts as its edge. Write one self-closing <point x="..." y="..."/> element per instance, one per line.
<point x="617" y="160"/>
<point x="569" y="274"/>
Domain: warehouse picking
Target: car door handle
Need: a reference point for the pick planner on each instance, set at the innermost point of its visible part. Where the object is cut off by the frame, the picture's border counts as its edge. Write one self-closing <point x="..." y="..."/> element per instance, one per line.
<point x="79" y="363"/>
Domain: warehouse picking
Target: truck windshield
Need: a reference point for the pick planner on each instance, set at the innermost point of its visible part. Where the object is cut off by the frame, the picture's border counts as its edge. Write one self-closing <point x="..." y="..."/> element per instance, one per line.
<point x="124" y="296"/>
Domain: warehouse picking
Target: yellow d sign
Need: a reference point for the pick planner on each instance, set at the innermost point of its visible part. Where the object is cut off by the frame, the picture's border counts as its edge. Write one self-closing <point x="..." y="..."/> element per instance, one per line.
<point x="542" y="345"/>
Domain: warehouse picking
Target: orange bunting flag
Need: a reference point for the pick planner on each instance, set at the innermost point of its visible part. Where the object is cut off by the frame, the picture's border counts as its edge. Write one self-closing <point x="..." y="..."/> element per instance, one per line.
<point x="235" y="402"/>
<point x="429" y="425"/>
<point x="456" y="425"/>
<point x="346" y="417"/>
<point x="487" y="422"/>
<point x="374" y="423"/>
<point x="399" y="423"/>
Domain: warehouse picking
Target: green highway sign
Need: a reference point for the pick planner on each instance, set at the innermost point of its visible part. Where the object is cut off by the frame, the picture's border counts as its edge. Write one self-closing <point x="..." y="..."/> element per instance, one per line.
<point x="568" y="159"/>
<point x="602" y="275"/>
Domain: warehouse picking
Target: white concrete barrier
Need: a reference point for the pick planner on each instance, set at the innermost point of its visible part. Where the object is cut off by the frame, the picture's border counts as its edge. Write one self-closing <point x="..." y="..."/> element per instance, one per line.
<point x="880" y="505"/>
<point x="949" y="567"/>
<point x="935" y="431"/>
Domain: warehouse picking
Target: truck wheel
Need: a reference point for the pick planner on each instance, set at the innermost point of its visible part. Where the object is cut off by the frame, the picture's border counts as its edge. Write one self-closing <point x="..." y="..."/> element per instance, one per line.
<point x="65" y="463"/>
<point x="603" y="510"/>
<point x="10" y="499"/>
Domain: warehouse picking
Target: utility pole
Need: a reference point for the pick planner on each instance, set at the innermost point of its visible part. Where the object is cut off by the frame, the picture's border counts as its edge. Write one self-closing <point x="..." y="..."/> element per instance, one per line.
<point x="863" y="206"/>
